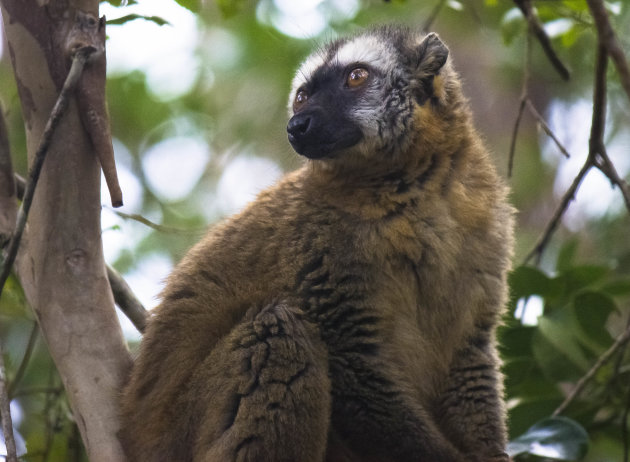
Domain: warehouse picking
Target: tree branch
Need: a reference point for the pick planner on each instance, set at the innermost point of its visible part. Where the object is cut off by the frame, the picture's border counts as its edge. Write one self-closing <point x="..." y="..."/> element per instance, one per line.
<point x="157" y="227"/>
<point x="60" y="266"/>
<point x="607" y="167"/>
<point x="597" y="155"/>
<point x="540" y="246"/>
<point x="517" y="124"/>
<point x="57" y="112"/>
<point x="603" y="359"/>
<point x="91" y="99"/>
<point x="524" y="96"/>
<point x="545" y="42"/>
<point x="78" y="62"/>
<point x="126" y="300"/>
<point x="608" y="38"/>
<point x="541" y="121"/>
<point x="598" y="122"/>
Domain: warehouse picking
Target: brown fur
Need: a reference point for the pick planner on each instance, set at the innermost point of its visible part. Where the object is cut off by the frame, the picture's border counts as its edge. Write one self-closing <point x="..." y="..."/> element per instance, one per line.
<point x="347" y="314"/>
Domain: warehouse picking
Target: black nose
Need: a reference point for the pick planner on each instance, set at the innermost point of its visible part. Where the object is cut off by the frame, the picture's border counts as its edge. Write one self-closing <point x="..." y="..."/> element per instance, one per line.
<point x="299" y="126"/>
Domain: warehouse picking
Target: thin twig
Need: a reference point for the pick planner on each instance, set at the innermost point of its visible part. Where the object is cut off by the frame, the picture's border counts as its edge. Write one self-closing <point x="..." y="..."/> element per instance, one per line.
<point x="620" y="342"/>
<point x="597" y="156"/>
<point x="597" y="152"/>
<point x="517" y="124"/>
<point x="598" y="123"/>
<point x="545" y="42"/>
<point x="126" y="300"/>
<point x="32" y="339"/>
<point x="553" y="223"/>
<point x="524" y="97"/>
<point x="526" y="102"/>
<point x="607" y="36"/>
<point x="606" y="166"/>
<point x="78" y="62"/>
<point x="546" y="128"/>
<point x="164" y="229"/>
<point x="597" y="149"/>
<point x="5" y="412"/>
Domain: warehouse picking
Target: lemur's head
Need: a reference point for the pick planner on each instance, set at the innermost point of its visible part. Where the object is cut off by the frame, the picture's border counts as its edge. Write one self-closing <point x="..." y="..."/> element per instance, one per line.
<point x="363" y="95"/>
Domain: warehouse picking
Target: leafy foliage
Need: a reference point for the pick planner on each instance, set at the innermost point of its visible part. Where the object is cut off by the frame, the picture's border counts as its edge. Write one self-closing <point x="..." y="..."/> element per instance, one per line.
<point x="580" y="316"/>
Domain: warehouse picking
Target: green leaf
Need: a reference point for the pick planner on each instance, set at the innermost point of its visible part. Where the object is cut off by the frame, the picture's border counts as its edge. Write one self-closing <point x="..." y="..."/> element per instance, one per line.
<point x="566" y="255"/>
<point x="526" y="280"/>
<point x="579" y="277"/>
<point x="557" y="348"/>
<point x="529" y="410"/>
<point x="617" y="288"/>
<point x="558" y="438"/>
<point x="516" y="341"/>
<point x="592" y="310"/>
<point x="132" y="17"/>
<point x="525" y="381"/>
<point x="570" y="37"/>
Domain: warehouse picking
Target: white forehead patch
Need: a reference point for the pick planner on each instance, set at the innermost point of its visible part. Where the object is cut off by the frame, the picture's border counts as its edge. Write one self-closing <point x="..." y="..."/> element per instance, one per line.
<point x="368" y="50"/>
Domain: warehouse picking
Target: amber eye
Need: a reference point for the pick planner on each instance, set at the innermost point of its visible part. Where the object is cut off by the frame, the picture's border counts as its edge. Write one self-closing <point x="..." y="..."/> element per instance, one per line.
<point x="300" y="98"/>
<point x="357" y="77"/>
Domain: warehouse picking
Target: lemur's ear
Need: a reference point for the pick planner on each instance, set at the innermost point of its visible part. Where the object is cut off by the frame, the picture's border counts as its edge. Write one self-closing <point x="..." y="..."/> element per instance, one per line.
<point x="430" y="57"/>
<point x="432" y="54"/>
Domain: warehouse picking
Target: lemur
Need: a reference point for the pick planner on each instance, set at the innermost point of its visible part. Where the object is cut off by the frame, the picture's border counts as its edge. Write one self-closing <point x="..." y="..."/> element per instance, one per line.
<point x="347" y="314"/>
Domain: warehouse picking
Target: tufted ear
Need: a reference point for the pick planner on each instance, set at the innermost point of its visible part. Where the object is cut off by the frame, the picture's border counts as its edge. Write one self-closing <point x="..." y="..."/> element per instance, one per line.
<point x="430" y="57"/>
<point x="432" y="54"/>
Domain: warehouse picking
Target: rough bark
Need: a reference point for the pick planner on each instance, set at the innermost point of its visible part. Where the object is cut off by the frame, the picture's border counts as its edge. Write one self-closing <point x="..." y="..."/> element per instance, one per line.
<point x="60" y="264"/>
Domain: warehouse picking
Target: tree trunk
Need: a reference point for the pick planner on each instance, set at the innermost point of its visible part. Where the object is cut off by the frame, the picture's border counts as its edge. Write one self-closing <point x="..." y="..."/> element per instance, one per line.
<point x="60" y="263"/>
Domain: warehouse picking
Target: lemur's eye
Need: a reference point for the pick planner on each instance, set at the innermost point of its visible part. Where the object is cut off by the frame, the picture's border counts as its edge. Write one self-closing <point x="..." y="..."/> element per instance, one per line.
<point x="357" y="77"/>
<point x="300" y="99"/>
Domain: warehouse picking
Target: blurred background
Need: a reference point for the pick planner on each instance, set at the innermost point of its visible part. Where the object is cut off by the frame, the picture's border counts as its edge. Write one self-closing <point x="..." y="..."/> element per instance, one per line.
<point x="198" y="95"/>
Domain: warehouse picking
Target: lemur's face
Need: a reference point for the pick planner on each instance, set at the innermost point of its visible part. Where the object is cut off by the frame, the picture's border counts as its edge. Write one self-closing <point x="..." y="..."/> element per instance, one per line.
<point x="358" y="95"/>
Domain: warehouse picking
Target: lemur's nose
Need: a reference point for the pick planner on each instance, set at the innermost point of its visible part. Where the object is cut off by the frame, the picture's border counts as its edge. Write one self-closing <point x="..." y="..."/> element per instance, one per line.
<point x="299" y="126"/>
